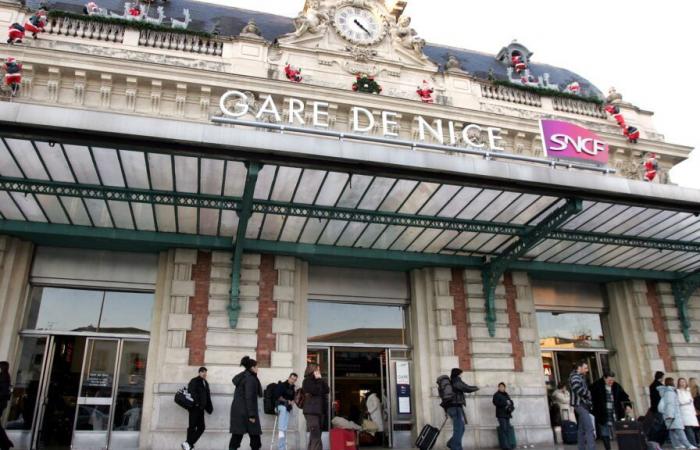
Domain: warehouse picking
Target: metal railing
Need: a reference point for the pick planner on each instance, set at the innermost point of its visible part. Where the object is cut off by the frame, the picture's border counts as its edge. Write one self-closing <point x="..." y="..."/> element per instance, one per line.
<point x="413" y="145"/>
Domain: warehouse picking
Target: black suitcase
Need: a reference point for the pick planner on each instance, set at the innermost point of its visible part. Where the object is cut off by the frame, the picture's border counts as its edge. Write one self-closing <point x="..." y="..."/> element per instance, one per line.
<point x="569" y="432"/>
<point x="630" y="435"/>
<point x="428" y="435"/>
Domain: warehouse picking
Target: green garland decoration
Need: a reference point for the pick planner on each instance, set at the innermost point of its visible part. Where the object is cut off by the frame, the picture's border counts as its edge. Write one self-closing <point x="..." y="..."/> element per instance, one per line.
<point x="138" y="25"/>
<point x="548" y="92"/>
<point x="366" y="84"/>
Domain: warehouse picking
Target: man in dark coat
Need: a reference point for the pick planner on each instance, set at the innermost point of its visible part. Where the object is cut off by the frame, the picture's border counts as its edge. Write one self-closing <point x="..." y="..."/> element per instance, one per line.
<point x="654" y="393"/>
<point x="504" y="412"/>
<point x="315" y="394"/>
<point x="454" y="408"/>
<point x="199" y="390"/>
<point x="245" y="418"/>
<point x="609" y="403"/>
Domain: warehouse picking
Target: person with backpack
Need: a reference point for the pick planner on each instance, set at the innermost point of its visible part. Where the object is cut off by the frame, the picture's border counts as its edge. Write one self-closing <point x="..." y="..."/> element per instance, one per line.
<point x="198" y="388"/>
<point x="245" y="418"/>
<point x="315" y="391"/>
<point x="504" y="412"/>
<point x="451" y="391"/>
<point x="284" y="400"/>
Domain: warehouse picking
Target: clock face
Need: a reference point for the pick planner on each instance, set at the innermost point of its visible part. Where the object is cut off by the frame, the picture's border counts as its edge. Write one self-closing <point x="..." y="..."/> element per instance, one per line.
<point x="358" y="25"/>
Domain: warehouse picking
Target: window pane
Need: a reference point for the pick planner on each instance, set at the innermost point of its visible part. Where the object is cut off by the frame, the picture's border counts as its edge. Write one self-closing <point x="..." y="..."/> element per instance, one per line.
<point x="132" y="374"/>
<point x="26" y="384"/>
<point x="64" y="309"/>
<point x="98" y="382"/>
<point x="355" y="323"/>
<point x="570" y="330"/>
<point x="127" y="312"/>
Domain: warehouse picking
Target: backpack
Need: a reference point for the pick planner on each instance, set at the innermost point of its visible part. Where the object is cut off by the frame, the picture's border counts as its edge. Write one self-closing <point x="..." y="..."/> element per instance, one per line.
<point x="299" y="398"/>
<point x="269" y="400"/>
<point x="445" y="390"/>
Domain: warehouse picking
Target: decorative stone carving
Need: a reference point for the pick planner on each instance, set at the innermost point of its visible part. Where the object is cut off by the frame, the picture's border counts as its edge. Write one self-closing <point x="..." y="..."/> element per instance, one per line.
<point x="204" y="102"/>
<point x="312" y="20"/>
<point x="131" y="89"/>
<point x="453" y="64"/>
<point x="361" y="54"/>
<point x="156" y="94"/>
<point x="79" y="87"/>
<point x="181" y="99"/>
<point x="106" y="90"/>
<point x="251" y="30"/>
<point x="406" y="37"/>
<point x="613" y="96"/>
<point x="53" y="84"/>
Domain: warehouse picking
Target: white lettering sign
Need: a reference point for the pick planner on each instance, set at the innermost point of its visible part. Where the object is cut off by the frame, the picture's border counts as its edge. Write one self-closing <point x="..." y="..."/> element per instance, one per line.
<point x="581" y="144"/>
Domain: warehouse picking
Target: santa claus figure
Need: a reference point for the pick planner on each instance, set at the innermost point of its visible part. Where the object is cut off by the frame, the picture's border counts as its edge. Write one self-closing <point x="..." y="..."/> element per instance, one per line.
<point x="15" y="34"/>
<point x="292" y="73"/>
<point x="632" y="134"/>
<point x="518" y="63"/>
<point x="425" y="92"/>
<point x="573" y="88"/>
<point x="651" y="167"/>
<point x="36" y="23"/>
<point x="13" y="74"/>
<point x="135" y="11"/>
<point x="90" y="8"/>
<point x="614" y="111"/>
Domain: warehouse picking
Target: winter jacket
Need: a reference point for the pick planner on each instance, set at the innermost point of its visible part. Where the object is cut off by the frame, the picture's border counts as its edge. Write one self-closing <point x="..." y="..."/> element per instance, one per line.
<point x="600" y="407"/>
<point x="460" y="388"/>
<point x="315" y="392"/>
<point x="5" y="392"/>
<point x="654" y="395"/>
<point x="504" y="405"/>
<point x="580" y="394"/>
<point x="670" y="408"/>
<point x="245" y="404"/>
<point x="199" y="389"/>
<point x="562" y="399"/>
<point x="284" y="394"/>
<point x="374" y="408"/>
<point x="685" y="400"/>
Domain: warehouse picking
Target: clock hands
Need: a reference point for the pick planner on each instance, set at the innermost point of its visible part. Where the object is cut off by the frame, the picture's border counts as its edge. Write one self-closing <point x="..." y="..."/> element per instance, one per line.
<point x="361" y="26"/>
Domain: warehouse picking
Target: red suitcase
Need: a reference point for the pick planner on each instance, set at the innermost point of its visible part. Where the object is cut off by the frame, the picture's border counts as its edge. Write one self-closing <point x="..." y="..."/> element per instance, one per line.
<point x="342" y="439"/>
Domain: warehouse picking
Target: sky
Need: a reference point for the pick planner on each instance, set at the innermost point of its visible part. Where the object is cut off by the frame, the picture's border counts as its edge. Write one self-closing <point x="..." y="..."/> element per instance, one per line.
<point x="644" y="48"/>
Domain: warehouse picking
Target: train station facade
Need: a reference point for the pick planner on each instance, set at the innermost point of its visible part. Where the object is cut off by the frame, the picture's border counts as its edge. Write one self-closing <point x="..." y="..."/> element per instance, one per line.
<point x="175" y="199"/>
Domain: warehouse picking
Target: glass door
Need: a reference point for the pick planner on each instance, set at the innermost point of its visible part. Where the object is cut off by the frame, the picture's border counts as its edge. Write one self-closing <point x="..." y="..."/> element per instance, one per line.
<point x="96" y="394"/>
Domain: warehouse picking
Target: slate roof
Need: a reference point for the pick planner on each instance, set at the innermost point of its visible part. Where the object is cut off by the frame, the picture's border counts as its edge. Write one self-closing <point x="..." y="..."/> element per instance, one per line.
<point x="229" y="21"/>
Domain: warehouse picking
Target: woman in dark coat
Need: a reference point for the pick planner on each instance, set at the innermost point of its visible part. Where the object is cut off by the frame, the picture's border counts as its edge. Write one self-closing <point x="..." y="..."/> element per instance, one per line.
<point x="504" y="412"/>
<point x="315" y="394"/>
<point x="5" y="394"/>
<point x="244" y="409"/>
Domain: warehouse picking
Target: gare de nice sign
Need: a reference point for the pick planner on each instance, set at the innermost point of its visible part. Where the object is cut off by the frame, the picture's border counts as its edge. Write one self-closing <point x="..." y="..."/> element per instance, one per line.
<point x="569" y="141"/>
<point x="361" y="120"/>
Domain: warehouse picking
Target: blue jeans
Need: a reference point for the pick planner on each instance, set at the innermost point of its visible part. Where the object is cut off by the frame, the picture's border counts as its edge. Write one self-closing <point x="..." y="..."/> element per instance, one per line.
<point x="456" y="413"/>
<point x="586" y="429"/>
<point x="282" y="423"/>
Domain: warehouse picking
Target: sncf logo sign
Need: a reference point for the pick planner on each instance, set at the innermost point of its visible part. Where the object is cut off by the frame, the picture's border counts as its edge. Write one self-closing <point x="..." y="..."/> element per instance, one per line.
<point x="569" y="141"/>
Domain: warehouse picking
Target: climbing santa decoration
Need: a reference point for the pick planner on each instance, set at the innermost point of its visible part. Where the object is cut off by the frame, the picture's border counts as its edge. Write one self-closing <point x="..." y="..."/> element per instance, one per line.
<point x="293" y="74"/>
<point x="518" y="64"/>
<point x="630" y="132"/>
<point x="36" y="23"/>
<point x="15" y="34"/>
<point x="425" y="92"/>
<point x="651" y="167"/>
<point x="573" y="88"/>
<point x="13" y="75"/>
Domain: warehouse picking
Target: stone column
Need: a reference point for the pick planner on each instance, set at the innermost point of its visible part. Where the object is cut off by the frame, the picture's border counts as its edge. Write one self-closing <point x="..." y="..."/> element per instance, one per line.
<point x="15" y="265"/>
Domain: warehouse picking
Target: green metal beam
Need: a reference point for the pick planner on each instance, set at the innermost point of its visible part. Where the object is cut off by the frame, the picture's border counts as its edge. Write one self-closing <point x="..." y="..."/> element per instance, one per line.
<point x="151" y="196"/>
<point x="234" y="307"/>
<point x="625" y="241"/>
<point x="682" y="290"/>
<point x="494" y="269"/>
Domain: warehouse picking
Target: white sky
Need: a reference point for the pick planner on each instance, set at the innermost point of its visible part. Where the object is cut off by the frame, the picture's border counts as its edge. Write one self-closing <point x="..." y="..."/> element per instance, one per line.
<point x="647" y="49"/>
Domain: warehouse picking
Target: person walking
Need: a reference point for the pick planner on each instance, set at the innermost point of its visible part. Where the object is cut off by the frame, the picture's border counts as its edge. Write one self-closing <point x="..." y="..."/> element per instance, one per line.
<point x="582" y="402"/>
<point x="5" y="395"/>
<point x="609" y="405"/>
<point x="687" y="404"/>
<point x="695" y="392"/>
<point x="284" y="393"/>
<point x="562" y="400"/>
<point x="198" y="388"/>
<point x="455" y="407"/>
<point x="245" y="418"/>
<point x="671" y="410"/>
<point x="654" y="392"/>
<point x="315" y="392"/>
<point x="504" y="412"/>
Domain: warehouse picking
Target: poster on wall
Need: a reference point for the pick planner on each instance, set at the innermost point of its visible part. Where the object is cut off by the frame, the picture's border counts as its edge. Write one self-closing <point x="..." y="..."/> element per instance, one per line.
<point x="403" y="387"/>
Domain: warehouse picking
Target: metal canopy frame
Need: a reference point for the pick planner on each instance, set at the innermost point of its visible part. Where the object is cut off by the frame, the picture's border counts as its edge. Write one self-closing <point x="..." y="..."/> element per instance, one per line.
<point x="117" y="190"/>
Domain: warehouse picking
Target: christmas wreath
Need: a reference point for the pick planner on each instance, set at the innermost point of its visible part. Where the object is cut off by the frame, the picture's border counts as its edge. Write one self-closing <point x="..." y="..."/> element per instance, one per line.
<point x="365" y="83"/>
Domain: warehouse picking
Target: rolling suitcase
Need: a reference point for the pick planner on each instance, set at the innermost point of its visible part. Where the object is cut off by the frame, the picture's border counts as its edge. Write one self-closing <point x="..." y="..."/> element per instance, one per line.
<point x="342" y="439"/>
<point x="630" y="435"/>
<point x="428" y="435"/>
<point x="569" y="432"/>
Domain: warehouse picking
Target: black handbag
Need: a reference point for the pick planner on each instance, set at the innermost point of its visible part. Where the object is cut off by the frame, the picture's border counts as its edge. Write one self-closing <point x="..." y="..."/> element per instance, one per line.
<point x="184" y="399"/>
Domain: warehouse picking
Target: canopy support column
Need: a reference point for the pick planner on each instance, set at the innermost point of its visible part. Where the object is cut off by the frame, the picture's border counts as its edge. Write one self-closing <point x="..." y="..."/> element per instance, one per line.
<point x="682" y="290"/>
<point x="494" y="269"/>
<point x="234" y="307"/>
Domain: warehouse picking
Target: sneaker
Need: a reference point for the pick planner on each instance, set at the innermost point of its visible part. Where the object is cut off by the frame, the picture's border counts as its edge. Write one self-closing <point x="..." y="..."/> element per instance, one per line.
<point x="692" y="447"/>
<point x="185" y="446"/>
